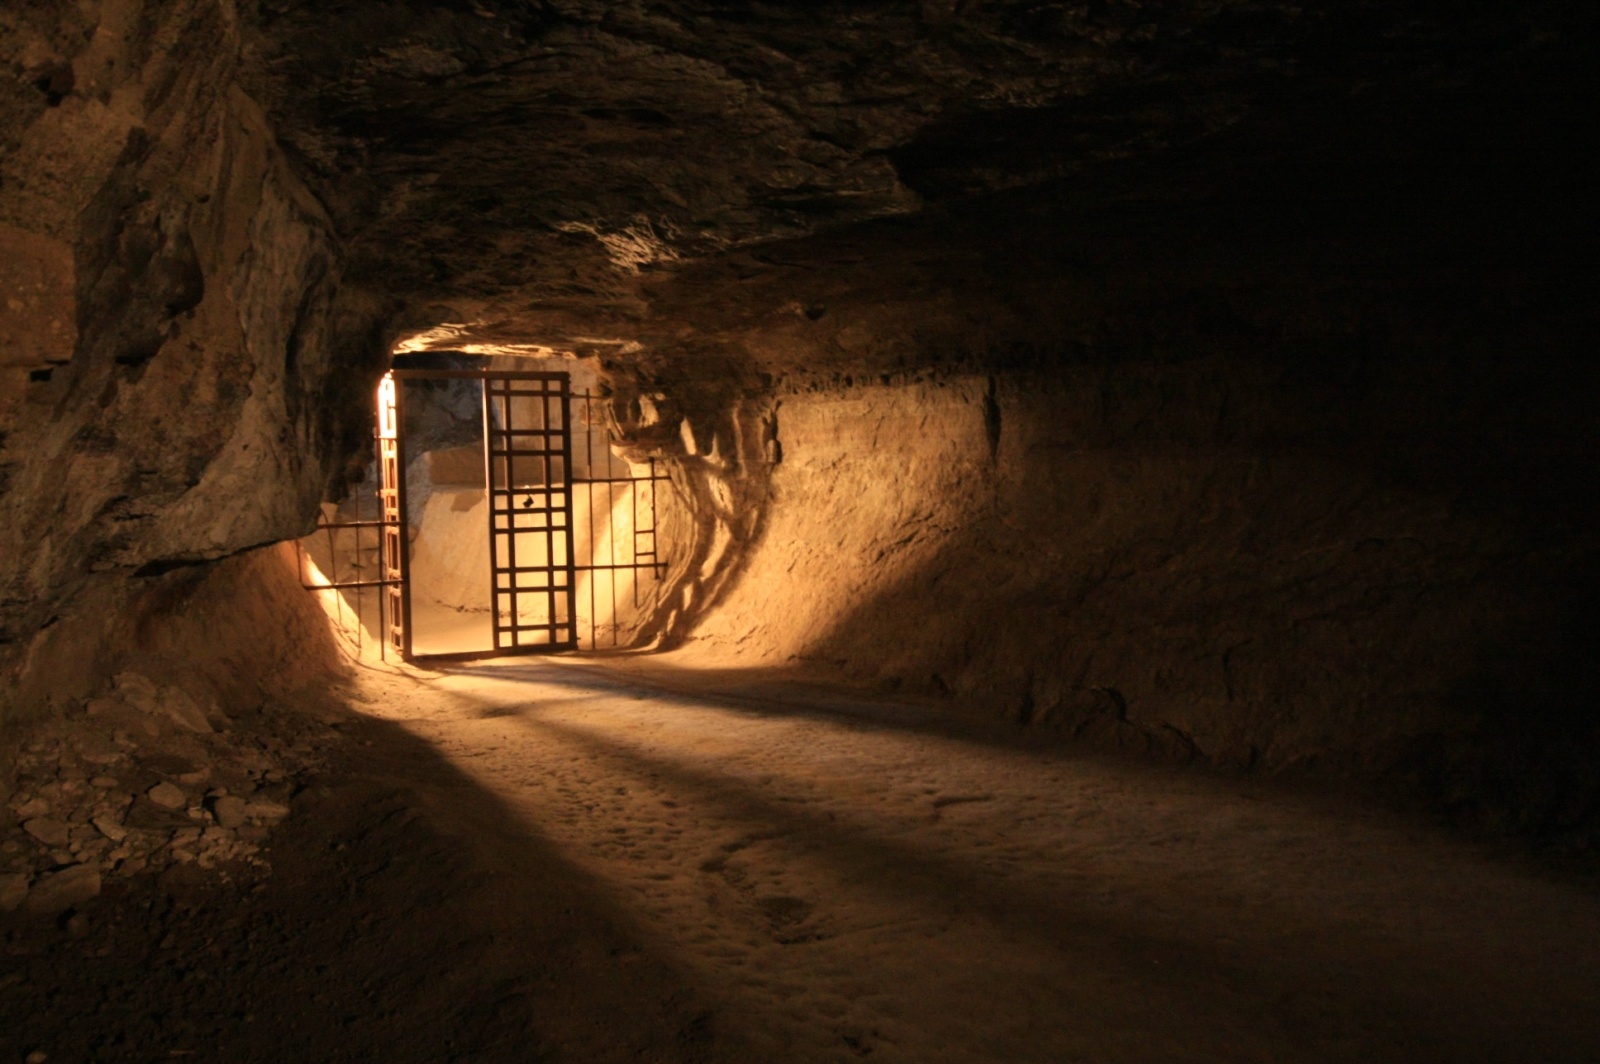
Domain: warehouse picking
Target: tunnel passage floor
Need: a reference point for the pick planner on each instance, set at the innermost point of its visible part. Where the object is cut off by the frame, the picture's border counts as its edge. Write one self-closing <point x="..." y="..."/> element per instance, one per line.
<point x="841" y="884"/>
<point x="569" y="861"/>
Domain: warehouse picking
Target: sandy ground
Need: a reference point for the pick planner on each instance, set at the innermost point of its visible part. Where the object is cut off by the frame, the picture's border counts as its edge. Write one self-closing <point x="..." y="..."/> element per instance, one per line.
<point x="844" y="881"/>
<point x="580" y="861"/>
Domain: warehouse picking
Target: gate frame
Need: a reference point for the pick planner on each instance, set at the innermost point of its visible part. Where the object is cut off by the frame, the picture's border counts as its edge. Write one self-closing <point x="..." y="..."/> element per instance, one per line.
<point x="393" y="523"/>
<point x="400" y="375"/>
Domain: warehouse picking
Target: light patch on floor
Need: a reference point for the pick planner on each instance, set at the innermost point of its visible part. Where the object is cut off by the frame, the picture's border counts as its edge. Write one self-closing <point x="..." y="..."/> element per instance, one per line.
<point x="850" y="885"/>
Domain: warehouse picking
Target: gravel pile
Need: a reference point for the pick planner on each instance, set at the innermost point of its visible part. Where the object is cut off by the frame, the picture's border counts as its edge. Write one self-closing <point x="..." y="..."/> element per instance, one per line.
<point x="135" y="782"/>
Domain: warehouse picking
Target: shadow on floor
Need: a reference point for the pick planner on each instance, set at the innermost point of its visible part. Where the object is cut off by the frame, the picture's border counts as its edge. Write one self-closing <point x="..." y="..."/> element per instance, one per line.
<point x="409" y="917"/>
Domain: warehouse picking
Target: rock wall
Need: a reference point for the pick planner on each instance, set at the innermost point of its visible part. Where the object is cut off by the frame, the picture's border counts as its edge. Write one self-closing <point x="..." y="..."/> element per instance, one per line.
<point x="1356" y="541"/>
<point x="168" y="357"/>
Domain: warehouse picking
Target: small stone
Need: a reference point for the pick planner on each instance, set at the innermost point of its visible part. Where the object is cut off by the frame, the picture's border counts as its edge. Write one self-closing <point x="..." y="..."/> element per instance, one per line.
<point x="110" y="828"/>
<point x="131" y="867"/>
<point x="50" y="832"/>
<point x="139" y="691"/>
<point x="229" y="811"/>
<point x="265" y="810"/>
<point x="196" y="777"/>
<point x="31" y="808"/>
<point x="167" y="796"/>
<point x="103" y="707"/>
<point x="38" y="1056"/>
<point x="13" y="889"/>
<point x="104" y="783"/>
<point x="62" y="890"/>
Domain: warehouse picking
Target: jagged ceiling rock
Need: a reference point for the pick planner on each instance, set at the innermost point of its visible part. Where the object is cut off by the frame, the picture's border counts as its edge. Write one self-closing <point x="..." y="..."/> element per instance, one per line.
<point x="525" y="165"/>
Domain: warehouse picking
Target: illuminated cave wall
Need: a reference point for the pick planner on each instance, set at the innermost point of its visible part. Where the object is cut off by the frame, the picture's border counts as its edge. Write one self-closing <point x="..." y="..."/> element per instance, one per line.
<point x="1212" y="379"/>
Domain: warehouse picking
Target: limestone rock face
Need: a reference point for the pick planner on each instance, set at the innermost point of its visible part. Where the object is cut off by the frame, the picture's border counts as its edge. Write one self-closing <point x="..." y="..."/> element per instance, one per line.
<point x="1211" y="375"/>
<point x="168" y="301"/>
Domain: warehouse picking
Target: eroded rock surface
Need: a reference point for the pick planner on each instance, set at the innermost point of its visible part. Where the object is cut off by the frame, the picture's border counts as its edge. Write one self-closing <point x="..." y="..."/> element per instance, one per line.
<point x="1266" y="325"/>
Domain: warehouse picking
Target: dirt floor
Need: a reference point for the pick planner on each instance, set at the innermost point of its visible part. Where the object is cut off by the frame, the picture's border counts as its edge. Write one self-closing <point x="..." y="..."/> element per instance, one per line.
<point x="581" y="861"/>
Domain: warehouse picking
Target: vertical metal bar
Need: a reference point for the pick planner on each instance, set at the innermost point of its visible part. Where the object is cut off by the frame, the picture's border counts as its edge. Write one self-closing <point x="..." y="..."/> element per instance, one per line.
<point x="633" y="510"/>
<point x="655" y="536"/>
<point x="571" y="633"/>
<point x="611" y="544"/>
<point x="405" y="519"/>
<point x="514" y="606"/>
<point x="359" y="626"/>
<point x="549" y="505"/>
<point x="488" y="497"/>
<point x="588" y="440"/>
<point x="383" y="591"/>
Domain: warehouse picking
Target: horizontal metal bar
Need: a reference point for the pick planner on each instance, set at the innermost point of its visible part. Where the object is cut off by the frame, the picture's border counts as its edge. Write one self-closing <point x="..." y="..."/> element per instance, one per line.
<point x="337" y="525"/>
<point x="579" y="481"/>
<point x="495" y="375"/>
<point x="349" y="585"/>
<point x="619" y="565"/>
<point x="495" y="652"/>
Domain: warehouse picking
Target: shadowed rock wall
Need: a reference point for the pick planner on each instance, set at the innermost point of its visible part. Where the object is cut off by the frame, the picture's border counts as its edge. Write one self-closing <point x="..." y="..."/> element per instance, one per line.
<point x="1260" y="517"/>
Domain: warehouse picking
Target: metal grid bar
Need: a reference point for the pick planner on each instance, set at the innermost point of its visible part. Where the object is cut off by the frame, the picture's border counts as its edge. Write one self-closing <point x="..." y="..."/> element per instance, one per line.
<point x="547" y="484"/>
<point x="613" y="492"/>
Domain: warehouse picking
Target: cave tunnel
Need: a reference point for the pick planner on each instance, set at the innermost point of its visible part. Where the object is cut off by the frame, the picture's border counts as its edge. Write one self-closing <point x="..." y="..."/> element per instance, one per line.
<point x="709" y="530"/>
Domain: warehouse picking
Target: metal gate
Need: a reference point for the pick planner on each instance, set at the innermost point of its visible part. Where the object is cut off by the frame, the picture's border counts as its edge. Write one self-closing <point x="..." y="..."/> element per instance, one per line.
<point x="573" y="529"/>
<point x="528" y="447"/>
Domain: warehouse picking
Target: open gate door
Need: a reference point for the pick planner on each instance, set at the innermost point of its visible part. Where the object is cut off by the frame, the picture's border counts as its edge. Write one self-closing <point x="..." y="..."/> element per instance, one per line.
<point x="528" y="450"/>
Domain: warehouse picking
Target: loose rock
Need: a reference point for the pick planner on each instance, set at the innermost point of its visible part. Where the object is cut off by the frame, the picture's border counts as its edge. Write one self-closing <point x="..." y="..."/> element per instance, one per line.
<point x="167" y="796"/>
<point x="13" y="889"/>
<point x="49" y="832"/>
<point x="62" y="890"/>
<point x="229" y="811"/>
<point x="265" y="810"/>
<point x="110" y="828"/>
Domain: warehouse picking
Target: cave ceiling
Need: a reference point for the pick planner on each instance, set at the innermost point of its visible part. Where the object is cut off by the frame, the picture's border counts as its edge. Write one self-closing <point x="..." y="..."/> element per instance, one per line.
<point x="595" y="175"/>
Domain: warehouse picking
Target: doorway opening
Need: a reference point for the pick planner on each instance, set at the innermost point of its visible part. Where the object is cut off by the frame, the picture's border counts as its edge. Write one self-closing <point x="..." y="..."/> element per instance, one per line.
<point x="508" y="518"/>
